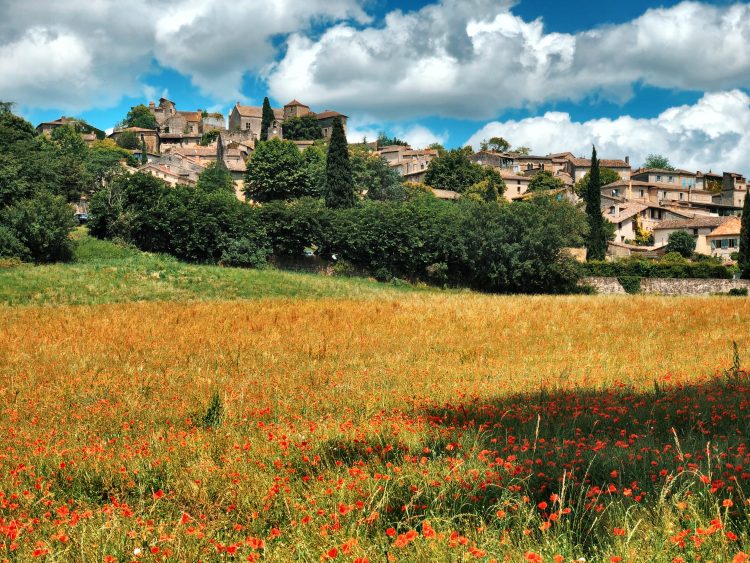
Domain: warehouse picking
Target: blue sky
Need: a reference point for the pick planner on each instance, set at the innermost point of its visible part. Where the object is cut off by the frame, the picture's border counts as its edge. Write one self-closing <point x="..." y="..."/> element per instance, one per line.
<point x="630" y="76"/>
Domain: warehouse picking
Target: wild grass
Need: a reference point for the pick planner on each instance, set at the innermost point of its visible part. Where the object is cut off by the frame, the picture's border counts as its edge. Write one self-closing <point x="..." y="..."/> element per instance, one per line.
<point x="412" y="427"/>
<point x="105" y="272"/>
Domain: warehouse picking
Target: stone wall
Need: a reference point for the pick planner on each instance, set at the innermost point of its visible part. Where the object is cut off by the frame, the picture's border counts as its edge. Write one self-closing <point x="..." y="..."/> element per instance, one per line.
<point x="669" y="286"/>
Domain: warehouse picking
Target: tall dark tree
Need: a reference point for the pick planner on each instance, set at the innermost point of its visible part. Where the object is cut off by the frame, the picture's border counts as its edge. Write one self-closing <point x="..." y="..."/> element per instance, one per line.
<point x="144" y="152"/>
<point x="596" y="243"/>
<point x="266" y="120"/>
<point x="744" y="254"/>
<point x="339" y="189"/>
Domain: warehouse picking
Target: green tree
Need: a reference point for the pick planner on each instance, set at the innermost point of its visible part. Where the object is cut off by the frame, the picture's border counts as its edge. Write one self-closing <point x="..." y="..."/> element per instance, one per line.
<point x="42" y="226"/>
<point x="522" y="151"/>
<point x="305" y="128"/>
<point x="385" y="141"/>
<point x="276" y="170"/>
<point x="208" y="137"/>
<point x="102" y="161"/>
<point x="140" y="116"/>
<point x="744" y="252"/>
<point x="658" y="161"/>
<point x="496" y="144"/>
<point x="544" y="180"/>
<point x="13" y="130"/>
<point x="682" y="242"/>
<point x="144" y="152"/>
<point x="607" y="176"/>
<point x="453" y="171"/>
<point x="216" y="178"/>
<point x="374" y="178"/>
<point x="339" y="188"/>
<point x="67" y="139"/>
<point x="127" y="140"/>
<point x="267" y="118"/>
<point x="315" y="167"/>
<point x="596" y="242"/>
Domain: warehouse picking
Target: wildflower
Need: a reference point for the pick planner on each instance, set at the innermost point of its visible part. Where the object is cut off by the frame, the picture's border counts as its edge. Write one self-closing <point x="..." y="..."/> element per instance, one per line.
<point x="619" y="531"/>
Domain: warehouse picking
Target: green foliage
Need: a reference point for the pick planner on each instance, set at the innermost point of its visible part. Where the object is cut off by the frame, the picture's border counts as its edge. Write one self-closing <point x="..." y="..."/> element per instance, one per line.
<point x="743" y="257"/>
<point x="208" y="137"/>
<point x="216" y="178"/>
<point x="140" y="116"/>
<point x="681" y="242"/>
<point x="637" y="266"/>
<point x="488" y="190"/>
<point x="454" y="171"/>
<point x="267" y="118"/>
<point x="522" y="151"/>
<point x="305" y="128"/>
<point x="606" y="175"/>
<point x="315" y="165"/>
<point x="373" y="177"/>
<point x="544" y="180"/>
<point x="127" y="140"/>
<point x="385" y="141"/>
<point x="295" y="225"/>
<point x="276" y="170"/>
<point x="249" y="251"/>
<point x="596" y="241"/>
<point x="14" y="130"/>
<point x="41" y="226"/>
<point x="674" y="258"/>
<point x="102" y="161"/>
<point x="214" y="412"/>
<point x="631" y="284"/>
<point x="497" y="144"/>
<point x="188" y="223"/>
<point x="658" y="161"/>
<point x="339" y="187"/>
<point x="738" y="292"/>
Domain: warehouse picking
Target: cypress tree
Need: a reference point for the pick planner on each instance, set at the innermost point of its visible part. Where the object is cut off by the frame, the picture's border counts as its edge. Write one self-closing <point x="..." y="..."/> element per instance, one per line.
<point x="266" y="120"/>
<point x="596" y="244"/>
<point x="339" y="188"/>
<point x="744" y="254"/>
<point x="144" y="154"/>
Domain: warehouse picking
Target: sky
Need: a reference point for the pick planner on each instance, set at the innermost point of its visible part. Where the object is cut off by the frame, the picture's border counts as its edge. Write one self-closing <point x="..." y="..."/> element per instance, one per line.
<point x="631" y="77"/>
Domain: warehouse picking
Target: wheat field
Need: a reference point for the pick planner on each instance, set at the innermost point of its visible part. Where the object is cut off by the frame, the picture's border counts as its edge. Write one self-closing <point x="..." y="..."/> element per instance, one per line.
<point x="422" y="426"/>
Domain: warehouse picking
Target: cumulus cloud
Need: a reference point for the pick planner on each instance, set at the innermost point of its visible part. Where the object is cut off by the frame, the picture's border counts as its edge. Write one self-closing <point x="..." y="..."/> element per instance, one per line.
<point x="73" y="55"/>
<point x="474" y="58"/>
<point x="713" y="133"/>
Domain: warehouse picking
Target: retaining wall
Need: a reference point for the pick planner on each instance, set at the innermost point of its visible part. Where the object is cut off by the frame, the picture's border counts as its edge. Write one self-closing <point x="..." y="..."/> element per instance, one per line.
<point x="669" y="286"/>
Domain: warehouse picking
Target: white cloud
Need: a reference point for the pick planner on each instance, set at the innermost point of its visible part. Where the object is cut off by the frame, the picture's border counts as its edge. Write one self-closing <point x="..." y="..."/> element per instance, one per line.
<point x="714" y="133"/>
<point x="420" y="137"/>
<point x="473" y="58"/>
<point x="74" y="55"/>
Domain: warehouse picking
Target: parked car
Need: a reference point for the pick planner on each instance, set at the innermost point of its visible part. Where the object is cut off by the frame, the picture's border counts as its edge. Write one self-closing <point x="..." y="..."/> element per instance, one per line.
<point x="83" y="218"/>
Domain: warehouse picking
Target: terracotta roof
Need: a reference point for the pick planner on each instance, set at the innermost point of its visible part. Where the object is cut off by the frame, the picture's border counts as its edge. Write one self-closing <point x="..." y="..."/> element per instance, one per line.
<point x="586" y="163"/>
<point x="510" y="175"/>
<point x="733" y="226"/>
<point x="664" y="171"/>
<point x="295" y="103"/>
<point x="194" y="116"/>
<point x="257" y="111"/>
<point x="134" y="129"/>
<point x="179" y="135"/>
<point x="625" y="211"/>
<point x="328" y="113"/>
<point x="695" y="223"/>
<point x="195" y="151"/>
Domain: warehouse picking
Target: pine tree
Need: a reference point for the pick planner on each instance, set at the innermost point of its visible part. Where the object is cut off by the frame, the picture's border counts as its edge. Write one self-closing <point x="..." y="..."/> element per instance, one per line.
<point x="596" y="243"/>
<point x="267" y="119"/>
<point x="339" y="189"/>
<point x="744" y="254"/>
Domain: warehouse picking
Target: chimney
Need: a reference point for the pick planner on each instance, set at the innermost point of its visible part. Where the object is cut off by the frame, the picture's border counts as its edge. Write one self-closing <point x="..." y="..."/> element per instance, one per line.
<point x="627" y="160"/>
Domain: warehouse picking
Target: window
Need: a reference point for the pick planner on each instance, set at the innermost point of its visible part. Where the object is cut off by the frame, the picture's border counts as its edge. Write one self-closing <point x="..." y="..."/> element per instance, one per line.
<point x="643" y="193"/>
<point x="518" y="189"/>
<point x="732" y="243"/>
<point x="684" y="183"/>
<point x="681" y="196"/>
<point x="658" y="178"/>
<point x="724" y="244"/>
<point x="612" y="210"/>
<point x="671" y="179"/>
<point x="695" y="232"/>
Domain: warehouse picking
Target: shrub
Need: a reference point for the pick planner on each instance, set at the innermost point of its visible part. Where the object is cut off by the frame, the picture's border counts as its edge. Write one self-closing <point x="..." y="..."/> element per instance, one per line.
<point x="631" y="284"/>
<point x="682" y="242"/>
<point x="247" y="252"/>
<point x="651" y="269"/>
<point x="738" y="292"/>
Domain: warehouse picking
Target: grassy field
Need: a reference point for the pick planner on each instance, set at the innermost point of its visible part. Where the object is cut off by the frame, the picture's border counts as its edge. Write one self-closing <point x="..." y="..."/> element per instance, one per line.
<point x="367" y="424"/>
<point x="106" y="273"/>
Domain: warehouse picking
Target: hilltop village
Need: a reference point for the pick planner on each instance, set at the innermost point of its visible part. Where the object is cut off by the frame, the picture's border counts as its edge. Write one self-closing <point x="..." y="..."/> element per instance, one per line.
<point x="644" y="206"/>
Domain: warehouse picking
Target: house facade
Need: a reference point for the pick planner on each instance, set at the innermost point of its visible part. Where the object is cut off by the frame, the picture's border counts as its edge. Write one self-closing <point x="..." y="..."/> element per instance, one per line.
<point x="724" y="240"/>
<point x="250" y="118"/>
<point x="699" y="227"/>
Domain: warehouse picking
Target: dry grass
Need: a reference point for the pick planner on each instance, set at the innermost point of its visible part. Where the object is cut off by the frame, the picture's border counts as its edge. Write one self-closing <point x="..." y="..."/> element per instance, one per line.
<point x="106" y="406"/>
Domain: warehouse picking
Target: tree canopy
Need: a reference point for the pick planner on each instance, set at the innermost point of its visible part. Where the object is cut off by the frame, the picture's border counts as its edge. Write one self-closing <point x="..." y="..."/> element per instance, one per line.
<point x="385" y="141"/>
<point x="596" y="241"/>
<point x="453" y="171"/>
<point x="497" y="144"/>
<point x="339" y="188"/>
<point x="606" y="175"/>
<point x="267" y="118"/>
<point x="681" y="242"/>
<point x="658" y="161"/>
<point x="544" y="180"/>
<point x="276" y="170"/>
<point x="216" y="178"/>
<point x="305" y="128"/>
<point x="140" y="116"/>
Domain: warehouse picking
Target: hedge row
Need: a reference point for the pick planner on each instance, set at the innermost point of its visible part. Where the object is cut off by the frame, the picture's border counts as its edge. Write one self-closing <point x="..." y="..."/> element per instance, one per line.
<point x="653" y="269"/>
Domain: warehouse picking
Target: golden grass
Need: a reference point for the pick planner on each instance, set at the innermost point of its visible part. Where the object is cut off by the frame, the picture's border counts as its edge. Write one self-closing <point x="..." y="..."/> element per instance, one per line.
<point x="105" y="402"/>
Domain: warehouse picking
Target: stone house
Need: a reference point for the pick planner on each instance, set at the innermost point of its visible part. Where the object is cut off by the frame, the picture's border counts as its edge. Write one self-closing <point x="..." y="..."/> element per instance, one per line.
<point x="577" y="168"/>
<point x="411" y="164"/>
<point x="659" y="193"/>
<point x="733" y="190"/>
<point x="172" y="175"/>
<point x="88" y="133"/>
<point x="516" y="185"/>
<point x="149" y="136"/>
<point x="658" y="176"/>
<point x="326" y="119"/>
<point x="174" y="122"/>
<point x="250" y="118"/>
<point x="700" y="227"/>
<point x="724" y="240"/>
